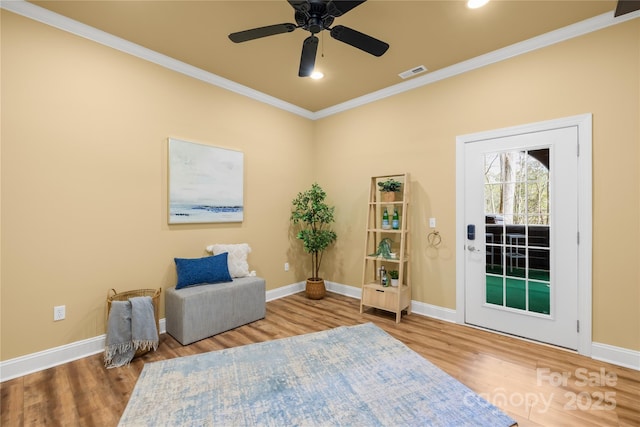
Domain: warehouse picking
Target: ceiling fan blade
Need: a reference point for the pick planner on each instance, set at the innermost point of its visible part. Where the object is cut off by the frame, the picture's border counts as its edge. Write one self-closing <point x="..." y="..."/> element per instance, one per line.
<point x="256" y="33"/>
<point x="626" y="6"/>
<point x="308" y="57"/>
<point x="340" y="7"/>
<point x="360" y="40"/>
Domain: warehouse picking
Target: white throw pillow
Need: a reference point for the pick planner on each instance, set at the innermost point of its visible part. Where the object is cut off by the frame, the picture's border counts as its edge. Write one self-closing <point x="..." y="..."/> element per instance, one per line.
<point x="237" y="258"/>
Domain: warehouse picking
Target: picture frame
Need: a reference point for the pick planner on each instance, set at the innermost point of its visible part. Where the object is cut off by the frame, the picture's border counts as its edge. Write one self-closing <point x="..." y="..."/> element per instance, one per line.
<point x="206" y="183"/>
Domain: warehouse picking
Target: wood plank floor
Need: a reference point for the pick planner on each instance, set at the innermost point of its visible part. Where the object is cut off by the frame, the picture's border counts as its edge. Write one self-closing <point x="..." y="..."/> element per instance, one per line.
<point x="536" y="384"/>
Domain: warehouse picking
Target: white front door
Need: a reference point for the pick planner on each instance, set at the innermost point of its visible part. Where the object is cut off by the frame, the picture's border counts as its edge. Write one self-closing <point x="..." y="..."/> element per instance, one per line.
<point x="520" y="234"/>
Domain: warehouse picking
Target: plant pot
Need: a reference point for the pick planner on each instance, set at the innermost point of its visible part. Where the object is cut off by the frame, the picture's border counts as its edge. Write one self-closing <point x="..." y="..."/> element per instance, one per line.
<point x="388" y="196"/>
<point x="315" y="289"/>
<point x="394" y="283"/>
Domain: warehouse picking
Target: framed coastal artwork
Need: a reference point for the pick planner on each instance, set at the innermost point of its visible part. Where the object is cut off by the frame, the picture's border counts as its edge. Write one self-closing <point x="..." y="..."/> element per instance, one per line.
<point x="205" y="183"/>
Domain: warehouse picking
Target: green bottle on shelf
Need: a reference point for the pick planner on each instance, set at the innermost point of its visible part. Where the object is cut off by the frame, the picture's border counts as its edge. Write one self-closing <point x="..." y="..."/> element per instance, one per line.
<point x="385" y="220"/>
<point x="396" y="219"/>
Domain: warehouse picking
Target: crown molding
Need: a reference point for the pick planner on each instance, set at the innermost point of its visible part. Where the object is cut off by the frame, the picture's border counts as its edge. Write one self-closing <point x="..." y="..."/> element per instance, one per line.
<point x="45" y="16"/>
<point x="575" y="30"/>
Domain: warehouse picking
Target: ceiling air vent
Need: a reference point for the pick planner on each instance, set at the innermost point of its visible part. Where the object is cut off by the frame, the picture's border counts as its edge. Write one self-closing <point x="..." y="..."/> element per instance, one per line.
<point x="412" y="72"/>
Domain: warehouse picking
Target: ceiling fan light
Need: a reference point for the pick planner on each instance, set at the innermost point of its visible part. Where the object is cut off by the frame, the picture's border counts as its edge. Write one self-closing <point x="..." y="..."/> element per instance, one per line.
<point x="475" y="4"/>
<point x="316" y="75"/>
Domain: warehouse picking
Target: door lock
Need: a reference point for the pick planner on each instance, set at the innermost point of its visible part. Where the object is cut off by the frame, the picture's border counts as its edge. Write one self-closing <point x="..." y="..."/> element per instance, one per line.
<point x="471" y="232"/>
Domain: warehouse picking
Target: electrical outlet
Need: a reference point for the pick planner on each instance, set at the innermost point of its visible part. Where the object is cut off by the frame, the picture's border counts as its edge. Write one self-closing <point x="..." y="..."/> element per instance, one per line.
<point x="59" y="312"/>
<point x="432" y="222"/>
<point x="286" y="266"/>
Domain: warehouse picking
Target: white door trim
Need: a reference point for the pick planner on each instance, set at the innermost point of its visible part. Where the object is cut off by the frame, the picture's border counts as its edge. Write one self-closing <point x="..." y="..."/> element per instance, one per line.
<point x="584" y="125"/>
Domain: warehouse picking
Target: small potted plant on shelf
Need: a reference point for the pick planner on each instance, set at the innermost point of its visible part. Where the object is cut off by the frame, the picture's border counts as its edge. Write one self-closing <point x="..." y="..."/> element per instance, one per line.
<point x="384" y="249"/>
<point x="394" y="277"/>
<point x="314" y="216"/>
<point x="389" y="188"/>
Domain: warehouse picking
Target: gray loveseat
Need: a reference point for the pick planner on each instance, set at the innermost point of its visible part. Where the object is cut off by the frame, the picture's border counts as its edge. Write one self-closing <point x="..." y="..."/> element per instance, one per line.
<point x="198" y="312"/>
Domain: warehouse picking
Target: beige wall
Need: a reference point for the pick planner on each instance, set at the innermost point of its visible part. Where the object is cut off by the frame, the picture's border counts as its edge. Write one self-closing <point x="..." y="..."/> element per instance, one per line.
<point x="84" y="131"/>
<point x="84" y="194"/>
<point x="416" y="131"/>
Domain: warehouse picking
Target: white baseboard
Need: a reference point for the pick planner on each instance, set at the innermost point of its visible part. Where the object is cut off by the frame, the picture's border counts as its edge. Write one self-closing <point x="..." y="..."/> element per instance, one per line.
<point x="35" y="362"/>
<point x="41" y="360"/>
<point x="616" y="355"/>
<point x="24" y="365"/>
<point x="348" y="291"/>
<point x="294" y="288"/>
<point x="284" y="291"/>
<point x="434" y="311"/>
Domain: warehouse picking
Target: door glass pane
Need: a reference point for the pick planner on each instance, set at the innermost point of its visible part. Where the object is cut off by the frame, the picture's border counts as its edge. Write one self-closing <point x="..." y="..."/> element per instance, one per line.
<point x="539" y="234"/>
<point x="538" y="264"/>
<point x="494" y="256"/>
<point x="539" y="297"/>
<point x="494" y="290"/>
<point x="492" y="167"/>
<point x="493" y="198"/>
<point x="516" y="294"/>
<point x="517" y="230"/>
<point x="515" y="251"/>
<point x="519" y="203"/>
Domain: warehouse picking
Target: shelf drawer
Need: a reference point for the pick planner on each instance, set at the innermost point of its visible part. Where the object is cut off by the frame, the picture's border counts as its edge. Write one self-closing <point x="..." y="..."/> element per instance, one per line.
<point x="379" y="297"/>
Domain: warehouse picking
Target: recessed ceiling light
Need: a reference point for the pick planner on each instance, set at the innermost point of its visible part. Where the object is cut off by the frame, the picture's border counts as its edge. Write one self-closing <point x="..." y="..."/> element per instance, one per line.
<point x="474" y="4"/>
<point x="316" y="75"/>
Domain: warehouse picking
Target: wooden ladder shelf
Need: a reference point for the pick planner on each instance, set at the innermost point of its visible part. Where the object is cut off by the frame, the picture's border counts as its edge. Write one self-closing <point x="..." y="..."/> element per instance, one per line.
<point x="390" y="298"/>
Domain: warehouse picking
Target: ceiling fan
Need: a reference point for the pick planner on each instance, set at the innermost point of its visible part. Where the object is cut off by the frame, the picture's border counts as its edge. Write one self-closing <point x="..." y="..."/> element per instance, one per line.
<point x="626" y="6"/>
<point x="315" y="16"/>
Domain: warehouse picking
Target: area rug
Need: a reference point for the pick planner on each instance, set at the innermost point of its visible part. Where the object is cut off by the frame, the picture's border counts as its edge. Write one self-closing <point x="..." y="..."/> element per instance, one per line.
<point x="347" y="376"/>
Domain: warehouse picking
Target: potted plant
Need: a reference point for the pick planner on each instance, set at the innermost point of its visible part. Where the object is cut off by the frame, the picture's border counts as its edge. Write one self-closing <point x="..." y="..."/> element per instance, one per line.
<point x="313" y="216"/>
<point x="394" y="277"/>
<point x="384" y="249"/>
<point x="389" y="188"/>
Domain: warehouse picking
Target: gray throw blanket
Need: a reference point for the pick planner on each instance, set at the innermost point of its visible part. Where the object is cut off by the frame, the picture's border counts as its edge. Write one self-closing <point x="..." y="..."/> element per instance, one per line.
<point x="131" y="327"/>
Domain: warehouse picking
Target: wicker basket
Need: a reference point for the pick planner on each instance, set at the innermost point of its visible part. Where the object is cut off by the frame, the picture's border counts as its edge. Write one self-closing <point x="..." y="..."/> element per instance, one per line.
<point x="112" y="295"/>
<point x="315" y="289"/>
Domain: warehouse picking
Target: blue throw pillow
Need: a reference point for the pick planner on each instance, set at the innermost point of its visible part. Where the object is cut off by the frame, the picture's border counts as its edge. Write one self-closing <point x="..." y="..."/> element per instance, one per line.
<point x="201" y="271"/>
